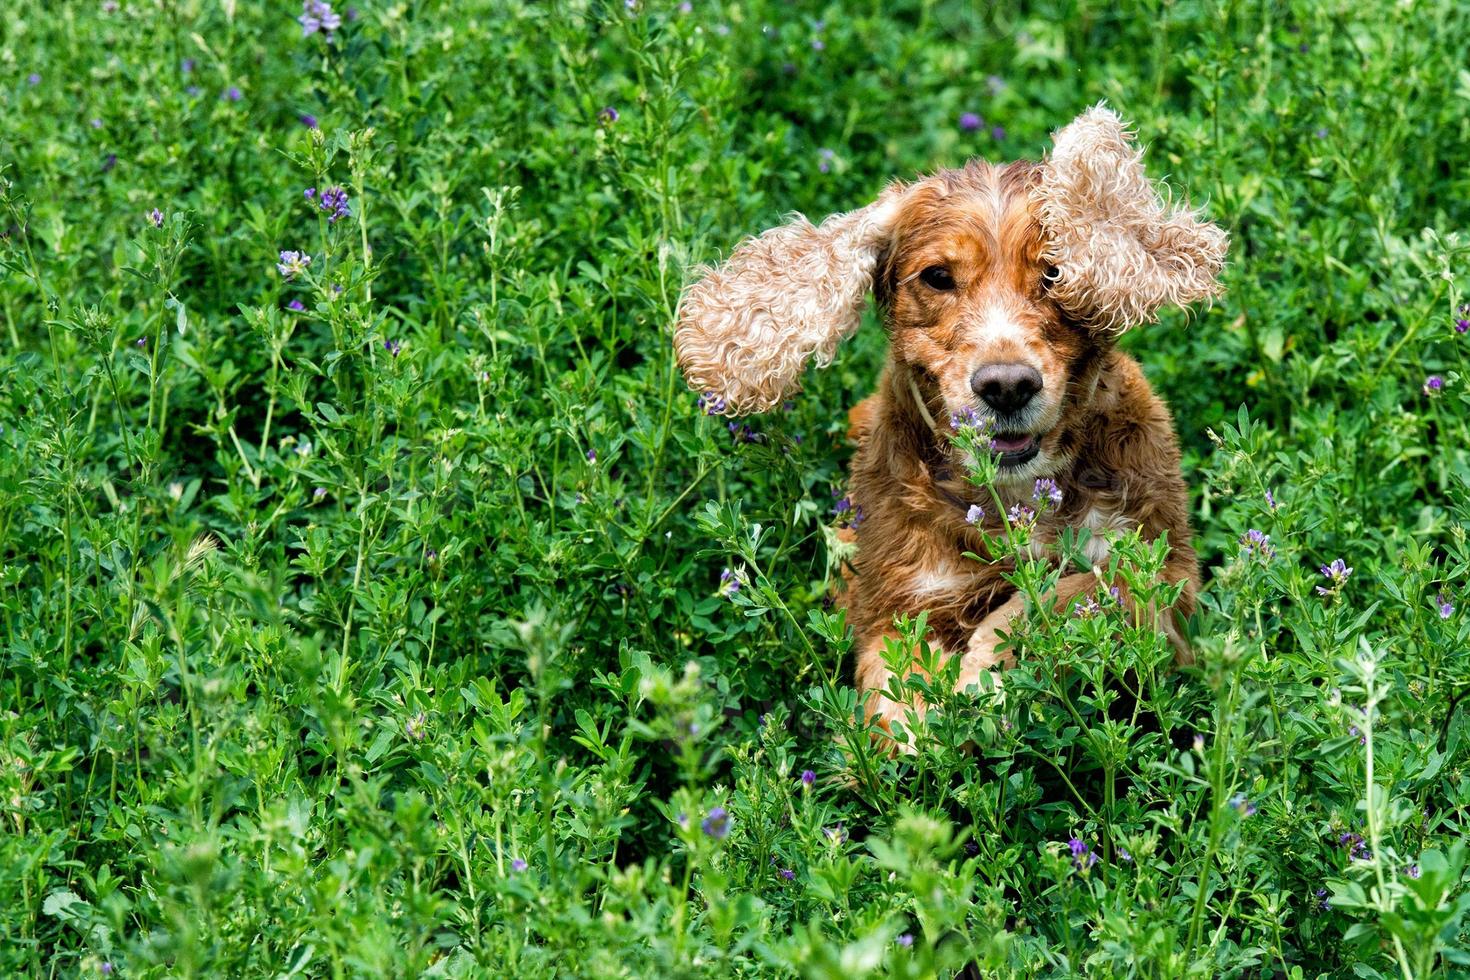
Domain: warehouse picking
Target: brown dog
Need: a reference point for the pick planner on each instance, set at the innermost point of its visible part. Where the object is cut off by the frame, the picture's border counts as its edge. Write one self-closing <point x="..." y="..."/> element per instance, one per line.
<point x="1003" y="290"/>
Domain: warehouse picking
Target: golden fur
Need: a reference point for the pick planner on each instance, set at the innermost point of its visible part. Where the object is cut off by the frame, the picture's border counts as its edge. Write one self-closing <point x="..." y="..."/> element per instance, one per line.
<point x="1047" y="264"/>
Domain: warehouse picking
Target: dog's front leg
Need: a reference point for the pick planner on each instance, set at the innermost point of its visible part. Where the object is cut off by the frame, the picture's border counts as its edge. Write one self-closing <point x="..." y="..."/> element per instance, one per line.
<point x="983" y="652"/>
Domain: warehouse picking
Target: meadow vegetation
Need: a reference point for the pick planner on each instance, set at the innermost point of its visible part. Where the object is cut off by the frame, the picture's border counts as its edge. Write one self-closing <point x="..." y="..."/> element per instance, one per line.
<point x="375" y="600"/>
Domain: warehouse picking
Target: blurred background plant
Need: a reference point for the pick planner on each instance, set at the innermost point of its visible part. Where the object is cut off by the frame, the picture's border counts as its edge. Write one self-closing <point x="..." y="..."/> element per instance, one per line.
<point x="374" y="600"/>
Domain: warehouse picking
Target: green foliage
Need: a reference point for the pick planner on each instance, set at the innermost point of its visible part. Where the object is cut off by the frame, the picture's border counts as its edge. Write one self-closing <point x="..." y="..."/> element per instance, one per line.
<point x="367" y="618"/>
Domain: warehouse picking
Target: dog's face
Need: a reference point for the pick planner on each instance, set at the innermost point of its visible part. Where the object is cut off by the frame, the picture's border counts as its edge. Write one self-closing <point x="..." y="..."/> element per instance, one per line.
<point x="997" y="283"/>
<point x="966" y="291"/>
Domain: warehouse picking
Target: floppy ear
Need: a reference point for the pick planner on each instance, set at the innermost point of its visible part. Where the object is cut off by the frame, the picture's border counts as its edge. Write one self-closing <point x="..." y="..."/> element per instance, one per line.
<point x="747" y="328"/>
<point x="1120" y="249"/>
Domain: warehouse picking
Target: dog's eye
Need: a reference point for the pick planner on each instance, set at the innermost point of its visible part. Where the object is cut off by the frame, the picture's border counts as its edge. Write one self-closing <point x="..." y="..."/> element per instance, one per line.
<point x="937" y="277"/>
<point x="1049" y="277"/>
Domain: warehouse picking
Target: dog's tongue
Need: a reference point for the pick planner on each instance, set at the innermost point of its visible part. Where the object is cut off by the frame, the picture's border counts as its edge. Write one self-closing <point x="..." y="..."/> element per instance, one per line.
<point x="1010" y="444"/>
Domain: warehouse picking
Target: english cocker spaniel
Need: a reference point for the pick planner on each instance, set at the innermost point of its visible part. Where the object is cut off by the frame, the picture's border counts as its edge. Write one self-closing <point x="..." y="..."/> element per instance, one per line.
<point x="1003" y="290"/>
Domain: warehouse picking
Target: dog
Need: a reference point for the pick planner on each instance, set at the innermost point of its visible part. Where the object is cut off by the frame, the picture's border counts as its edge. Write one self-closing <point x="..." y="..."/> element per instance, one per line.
<point x="1003" y="290"/>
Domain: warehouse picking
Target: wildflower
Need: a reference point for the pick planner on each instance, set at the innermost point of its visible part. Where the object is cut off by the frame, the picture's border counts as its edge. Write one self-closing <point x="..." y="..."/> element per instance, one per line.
<point x="417" y="727"/>
<point x="608" y="115"/>
<point x="296" y="305"/>
<point x="591" y="455"/>
<point x="1356" y="847"/>
<point x="788" y="874"/>
<point x="1413" y="871"/>
<point x="818" y="44"/>
<point x="1082" y="856"/>
<point x="905" y="940"/>
<point x="824" y="159"/>
<point x="105" y="967"/>
<point x="1270" y="499"/>
<point x="1087" y="608"/>
<point x="717" y="824"/>
<point x="156" y="216"/>
<point x="317" y="15"/>
<point x="729" y="582"/>
<point x="1199" y="743"/>
<point x="392" y="347"/>
<point x="998" y="133"/>
<point x="332" y="202"/>
<point x="1243" y="805"/>
<point x="808" y="777"/>
<point x="96" y="123"/>
<point x="292" y="264"/>
<point x="142" y="342"/>
<point x="686" y="7"/>
<point x="972" y="848"/>
<point x="1336" y="575"/>
<point x="1322" y="904"/>
<point x="975" y="514"/>
<point x="1124" y="855"/>
<point x="1321" y="132"/>
<point x="518" y="865"/>
<point x="109" y="7"/>
<point x="837" y="834"/>
<point x="1258" y="543"/>
<point x="192" y="91"/>
<point x="308" y="120"/>
<point x="848" y="514"/>
<point x="971" y="121"/>
<point x="1462" y="325"/>
<point x="1433" y="384"/>
<point x="964" y="419"/>
<point x="995" y="83"/>
<point x="231" y="94"/>
<point x="1022" y="516"/>
<point x="711" y="403"/>
<point x="1047" y="490"/>
<point x="187" y="65"/>
<point x="1446" y="608"/>
<point x="33" y="78"/>
<point x="319" y="493"/>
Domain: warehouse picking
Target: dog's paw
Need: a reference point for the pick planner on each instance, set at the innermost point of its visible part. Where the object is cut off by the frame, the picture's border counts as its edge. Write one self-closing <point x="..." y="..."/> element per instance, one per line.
<point x="983" y="656"/>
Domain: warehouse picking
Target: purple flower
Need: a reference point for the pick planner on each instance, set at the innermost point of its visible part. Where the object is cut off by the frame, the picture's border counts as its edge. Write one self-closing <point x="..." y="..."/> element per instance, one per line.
<point x="231" y="94"/>
<point x="109" y="7"/>
<point x="392" y="347"/>
<point x="788" y="874"/>
<point x="818" y="44"/>
<point x="142" y="342"/>
<point x="187" y="65"/>
<point x="905" y="940"/>
<point x="716" y="824"/>
<point x="292" y="264"/>
<point x="608" y="115"/>
<point x="1321" y="132"/>
<point x="808" y="777"/>
<point x="729" y="582"/>
<point x="1413" y="871"/>
<point x="995" y="83"/>
<point x="711" y="403"/>
<point x="1336" y="575"/>
<point x="518" y="865"/>
<point x="1270" y="499"/>
<point x="824" y="159"/>
<point x="975" y="514"/>
<point x="971" y="121"/>
<point x="317" y="15"/>
<point x="1123" y="853"/>
<point x="1258" y="544"/>
<point x="319" y="493"/>
<point x="33" y="78"/>
<point x="1082" y="856"/>
<point x="417" y="727"/>
<point x="591" y="455"/>
<point x="156" y="216"/>
<point x="332" y="202"/>
<point x="1446" y="608"/>
<point x="686" y="7"/>
<point x="965" y="419"/>
<point x="1022" y="516"/>
<point x="848" y="514"/>
<point x="1462" y="325"/>
<point x="1047" y="491"/>
<point x="1433" y="384"/>
<point x="96" y="123"/>
<point x="193" y="91"/>
<point x="1322" y="904"/>
<point x="998" y="133"/>
<point x="296" y="305"/>
<point x="1245" y="806"/>
<point x="308" y="120"/>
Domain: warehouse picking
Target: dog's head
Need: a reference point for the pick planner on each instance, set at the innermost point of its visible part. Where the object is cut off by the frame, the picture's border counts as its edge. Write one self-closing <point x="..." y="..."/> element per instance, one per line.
<point x="997" y="283"/>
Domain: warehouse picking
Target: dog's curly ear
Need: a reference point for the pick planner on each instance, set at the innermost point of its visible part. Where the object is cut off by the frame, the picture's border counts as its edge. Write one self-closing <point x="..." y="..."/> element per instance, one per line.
<point x="1121" y="251"/>
<point x="747" y="328"/>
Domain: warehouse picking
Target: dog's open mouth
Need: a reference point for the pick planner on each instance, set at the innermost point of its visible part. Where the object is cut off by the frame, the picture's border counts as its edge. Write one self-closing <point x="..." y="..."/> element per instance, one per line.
<point x="1015" y="448"/>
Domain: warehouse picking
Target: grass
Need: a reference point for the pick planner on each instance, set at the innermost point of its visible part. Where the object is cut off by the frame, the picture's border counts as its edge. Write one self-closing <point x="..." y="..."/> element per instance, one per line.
<point x="329" y="648"/>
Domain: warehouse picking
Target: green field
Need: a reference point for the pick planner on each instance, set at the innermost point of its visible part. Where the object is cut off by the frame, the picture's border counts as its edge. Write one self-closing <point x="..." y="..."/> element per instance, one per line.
<point x="363" y="615"/>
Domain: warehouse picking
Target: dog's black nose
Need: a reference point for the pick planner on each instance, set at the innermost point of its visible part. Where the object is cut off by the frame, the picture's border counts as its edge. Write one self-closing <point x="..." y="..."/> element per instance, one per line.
<point x="1006" y="387"/>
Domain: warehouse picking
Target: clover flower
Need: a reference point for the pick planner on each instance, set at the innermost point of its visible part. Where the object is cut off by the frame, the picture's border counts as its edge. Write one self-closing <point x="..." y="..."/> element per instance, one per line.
<point x="608" y="115"/>
<point x="308" y="120"/>
<point x="417" y="727"/>
<point x="292" y="264"/>
<point x="518" y="865"/>
<point x="1462" y="325"/>
<point x="1356" y="847"/>
<point x="1323" y="904"/>
<point x="905" y="940"/>
<point x="741" y="432"/>
<point x="730" y="582"/>
<point x="332" y="202"/>
<point x="964" y="419"/>
<point x="824" y="159"/>
<point x="1082" y="856"/>
<point x="846" y="512"/>
<point x="1047" y="491"/>
<point x="1270" y="500"/>
<point x="808" y="777"/>
<point x="34" y="78"/>
<point x="975" y="514"/>
<point x="1446" y="608"/>
<point x="788" y="874"/>
<point x="232" y="94"/>
<point x="393" y="347"/>
<point x="716" y="824"/>
<point x="156" y="216"/>
<point x="971" y="121"/>
<point x="1243" y="805"/>
<point x="317" y="15"/>
<point x="1258" y="544"/>
<point x="1433" y="384"/>
<point x="296" y="306"/>
<point x="1336" y="575"/>
<point x="711" y="403"/>
<point x="1022" y="516"/>
<point x="997" y="133"/>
